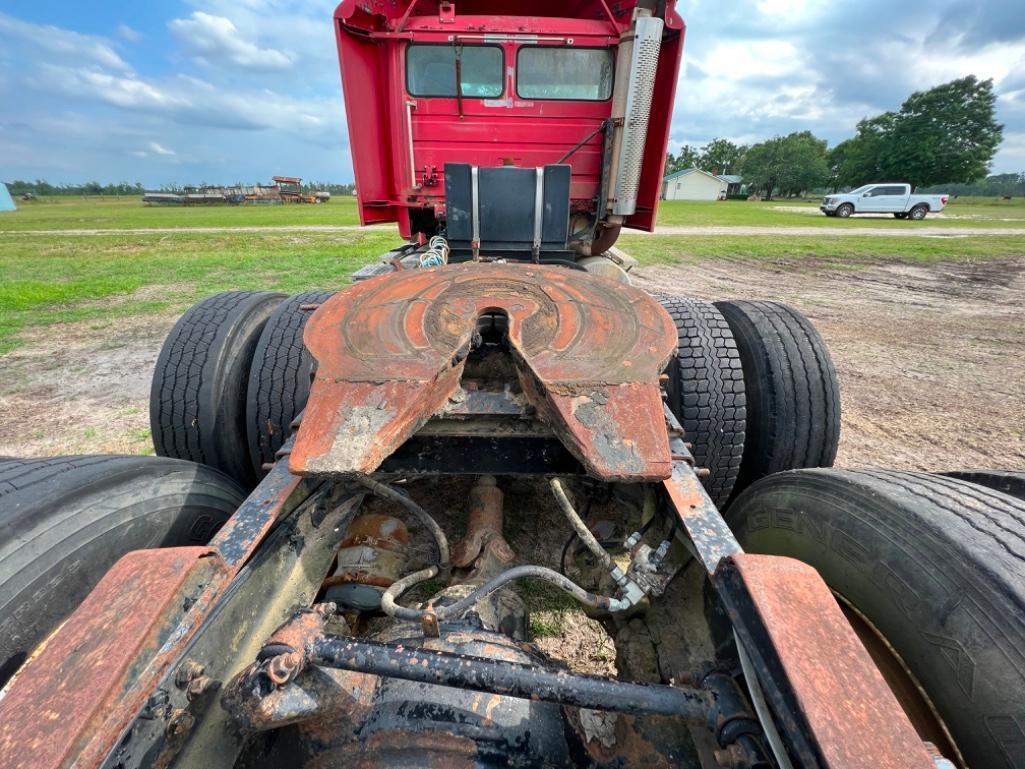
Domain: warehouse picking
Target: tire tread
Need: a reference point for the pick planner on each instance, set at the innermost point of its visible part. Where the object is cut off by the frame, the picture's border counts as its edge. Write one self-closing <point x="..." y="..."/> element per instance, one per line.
<point x="708" y="384"/>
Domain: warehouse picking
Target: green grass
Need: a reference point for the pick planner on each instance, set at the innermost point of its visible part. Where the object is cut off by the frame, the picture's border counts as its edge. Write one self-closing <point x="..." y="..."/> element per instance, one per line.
<point x="839" y="251"/>
<point x="53" y="279"/>
<point x="976" y="212"/>
<point x="48" y="280"/>
<point x="70" y="213"/>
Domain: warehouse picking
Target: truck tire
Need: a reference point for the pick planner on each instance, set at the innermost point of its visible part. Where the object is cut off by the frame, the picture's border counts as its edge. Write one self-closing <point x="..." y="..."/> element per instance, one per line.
<point x="706" y="391"/>
<point x="934" y="568"/>
<point x="198" y="397"/>
<point x="793" y="396"/>
<point x="918" y="213"/>
<point x="279" y="378"/>
<point x="845" y="211"/>
<point x="64" y="521"/>
<point x="1004" y="481"/>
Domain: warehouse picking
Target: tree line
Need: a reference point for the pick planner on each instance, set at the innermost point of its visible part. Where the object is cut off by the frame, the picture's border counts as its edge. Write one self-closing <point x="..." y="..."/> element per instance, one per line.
<point x="42" y="187"/>
<point x="946" y="135"/>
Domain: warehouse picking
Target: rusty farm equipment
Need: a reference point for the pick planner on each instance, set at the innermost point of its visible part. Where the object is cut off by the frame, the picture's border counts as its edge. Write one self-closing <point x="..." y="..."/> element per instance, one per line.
<point x="323" y="566"/>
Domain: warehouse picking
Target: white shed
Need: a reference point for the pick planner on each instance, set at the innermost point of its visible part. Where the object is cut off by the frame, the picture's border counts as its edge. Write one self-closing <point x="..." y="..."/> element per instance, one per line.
<point x="693" y="184"/>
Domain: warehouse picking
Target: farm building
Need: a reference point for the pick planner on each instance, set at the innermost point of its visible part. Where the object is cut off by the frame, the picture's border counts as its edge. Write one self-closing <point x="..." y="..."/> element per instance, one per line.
<point x="694" y="184"/>
<point x="733" y="182"/>
<point x="6" y="202"/>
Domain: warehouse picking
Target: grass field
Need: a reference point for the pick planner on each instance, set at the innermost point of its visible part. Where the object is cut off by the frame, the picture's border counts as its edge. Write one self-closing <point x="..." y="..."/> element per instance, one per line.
<point x="48" y="279"/>
<point x="71" y="213"/>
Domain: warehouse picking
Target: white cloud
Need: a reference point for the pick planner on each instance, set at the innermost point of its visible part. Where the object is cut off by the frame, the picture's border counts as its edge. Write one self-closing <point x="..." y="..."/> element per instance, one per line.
<point x="61" y="44"/>
<point x="191" y="101"/>
<point x="128" y="34"/>
<point x="126" y="91"/>
<point x="214" y="38"/>
<point x="740" y="59"/>
<point x="158" y="149"/>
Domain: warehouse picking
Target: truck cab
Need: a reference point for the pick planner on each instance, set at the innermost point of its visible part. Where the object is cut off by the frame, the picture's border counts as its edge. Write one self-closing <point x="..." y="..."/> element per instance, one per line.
<point x="524" y="131"/>
<point x="887" y="198"/>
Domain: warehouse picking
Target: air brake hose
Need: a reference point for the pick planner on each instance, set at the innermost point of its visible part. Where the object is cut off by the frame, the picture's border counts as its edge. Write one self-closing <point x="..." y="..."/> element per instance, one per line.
<point x="393" y="495"/>
<point x="585" y="534"/>
<point x="452" y="611"/>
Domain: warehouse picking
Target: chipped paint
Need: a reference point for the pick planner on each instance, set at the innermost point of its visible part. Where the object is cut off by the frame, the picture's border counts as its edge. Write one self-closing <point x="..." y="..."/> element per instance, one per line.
<point x="391" y="351"/>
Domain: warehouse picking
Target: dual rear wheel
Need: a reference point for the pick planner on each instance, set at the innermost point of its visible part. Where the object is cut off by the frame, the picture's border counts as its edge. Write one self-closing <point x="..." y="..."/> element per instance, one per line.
<point x="232" y="376"/>
<point x="755" y="389"/>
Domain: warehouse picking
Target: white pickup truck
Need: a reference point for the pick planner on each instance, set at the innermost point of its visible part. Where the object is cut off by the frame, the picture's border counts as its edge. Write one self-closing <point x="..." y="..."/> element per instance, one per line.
<point x="893" y="199"/>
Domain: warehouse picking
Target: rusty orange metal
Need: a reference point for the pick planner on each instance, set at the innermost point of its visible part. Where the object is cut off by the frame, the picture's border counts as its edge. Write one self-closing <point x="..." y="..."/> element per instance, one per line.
<point x="835" y="700"/>
<point x="72" y="699"/>
<point x="391" y="350"/>
<point x="483" y="552"/>
<point x="713" y="540"/>
<point x="72" y="702"/>
<point x="374" y="552"/>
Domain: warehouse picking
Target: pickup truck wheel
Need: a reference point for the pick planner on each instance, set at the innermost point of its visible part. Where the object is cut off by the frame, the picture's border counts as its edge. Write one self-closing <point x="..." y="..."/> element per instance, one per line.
<point x="792" y="392"/>
<point x="64" y="521"/>
<point x="198" y="397"/>
<point x="931" y="572"/>
<point x="279" y="378"/>
<point x="918" y="213"/>
<point x="846" y="211"/>
<point x="706" y="391"/>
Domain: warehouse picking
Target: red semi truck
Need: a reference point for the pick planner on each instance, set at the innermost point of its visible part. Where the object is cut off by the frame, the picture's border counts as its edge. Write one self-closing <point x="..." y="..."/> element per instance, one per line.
<point x="571" y="103"/>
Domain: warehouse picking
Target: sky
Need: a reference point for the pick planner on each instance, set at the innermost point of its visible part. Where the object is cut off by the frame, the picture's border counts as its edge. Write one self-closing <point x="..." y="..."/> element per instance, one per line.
<point x="223" y="91"/>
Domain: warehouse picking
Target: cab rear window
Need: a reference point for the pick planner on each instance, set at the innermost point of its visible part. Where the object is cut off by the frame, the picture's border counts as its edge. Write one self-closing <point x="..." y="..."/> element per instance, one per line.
<point x="574" y="74"/>
<point x="431" y="70"/>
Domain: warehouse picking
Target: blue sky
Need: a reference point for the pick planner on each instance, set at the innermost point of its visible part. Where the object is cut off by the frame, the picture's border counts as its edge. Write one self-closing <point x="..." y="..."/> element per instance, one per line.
<point x="240" y="90"/>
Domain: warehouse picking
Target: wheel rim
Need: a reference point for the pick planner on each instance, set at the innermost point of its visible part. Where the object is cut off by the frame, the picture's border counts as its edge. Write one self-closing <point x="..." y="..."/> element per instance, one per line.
<point x="912" y="698"/>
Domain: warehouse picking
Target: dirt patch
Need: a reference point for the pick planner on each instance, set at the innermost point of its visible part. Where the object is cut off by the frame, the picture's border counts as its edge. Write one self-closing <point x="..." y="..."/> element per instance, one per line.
<point x="81" y="388"/>
<point x="931" y="358"/>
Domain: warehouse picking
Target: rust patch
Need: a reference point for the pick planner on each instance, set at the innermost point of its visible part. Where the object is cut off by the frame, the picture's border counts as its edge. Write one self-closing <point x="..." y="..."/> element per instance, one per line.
<point x="76" y="695"/>
<point x="124" y="638"/>
<point x="484" y="551"/>
<point x="391" y="350"/>
<point x="833" y="694"/>
<point x="713" y="540"/>
<point x="374" y="552"/>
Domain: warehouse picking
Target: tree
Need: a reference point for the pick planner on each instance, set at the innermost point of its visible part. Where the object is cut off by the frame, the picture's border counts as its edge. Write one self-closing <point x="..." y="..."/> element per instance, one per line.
<point x="861" y="160"/>
<point x="790" y="164"/>
<point x="688" y="158"/>
<point x="946" y="134"/>
<point x="721" y="156"/>
<point x="805" y="163"/>
<point x="763" y="165"/>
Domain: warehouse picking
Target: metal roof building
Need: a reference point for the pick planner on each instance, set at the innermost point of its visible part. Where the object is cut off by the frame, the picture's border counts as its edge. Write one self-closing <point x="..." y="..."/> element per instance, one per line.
<point x="695" y="184"/>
